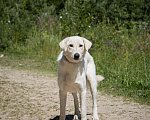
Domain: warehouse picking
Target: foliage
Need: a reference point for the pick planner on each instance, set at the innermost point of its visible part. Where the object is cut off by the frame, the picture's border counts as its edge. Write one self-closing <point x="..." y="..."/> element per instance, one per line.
<point x="123" y="59"/>
<point x="119" y="31"/>
<point x="78" y="15"/>
<point x="17" y="18"/>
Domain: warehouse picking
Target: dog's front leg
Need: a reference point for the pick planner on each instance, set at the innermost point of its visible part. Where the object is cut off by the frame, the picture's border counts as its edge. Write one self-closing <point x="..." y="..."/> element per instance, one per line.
<point x="76" y="104"/>
<point x="63" y="96"/>
<point x="83" y="104"/>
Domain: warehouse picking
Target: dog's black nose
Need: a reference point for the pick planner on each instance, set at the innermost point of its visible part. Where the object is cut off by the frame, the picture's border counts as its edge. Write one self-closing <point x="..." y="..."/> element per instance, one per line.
<point x="76" y="56"/>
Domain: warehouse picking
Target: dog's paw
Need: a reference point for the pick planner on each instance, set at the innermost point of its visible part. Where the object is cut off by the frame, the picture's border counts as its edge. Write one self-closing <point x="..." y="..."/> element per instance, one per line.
<point x="95" y="118"/>
<point x="75" y="117"/>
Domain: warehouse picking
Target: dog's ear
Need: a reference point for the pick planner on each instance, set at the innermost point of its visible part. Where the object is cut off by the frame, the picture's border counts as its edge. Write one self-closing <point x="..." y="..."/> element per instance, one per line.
<point x="63" y="43"/>
<point x="87" y="44"/>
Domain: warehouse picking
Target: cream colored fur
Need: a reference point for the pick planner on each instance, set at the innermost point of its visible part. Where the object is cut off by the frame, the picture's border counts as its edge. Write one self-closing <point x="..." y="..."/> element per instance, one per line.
<point x="76" y="68"/>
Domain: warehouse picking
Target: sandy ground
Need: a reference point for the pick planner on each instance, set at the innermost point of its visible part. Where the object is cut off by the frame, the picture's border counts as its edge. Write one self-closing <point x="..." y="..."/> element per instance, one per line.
<point x="26" y="95"/>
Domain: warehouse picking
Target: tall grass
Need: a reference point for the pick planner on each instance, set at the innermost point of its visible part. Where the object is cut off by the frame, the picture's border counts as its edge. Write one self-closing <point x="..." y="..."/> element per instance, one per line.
<point x="124" y="61"/>
<point x="41" y="41"/>
<point x="121" y="54"/>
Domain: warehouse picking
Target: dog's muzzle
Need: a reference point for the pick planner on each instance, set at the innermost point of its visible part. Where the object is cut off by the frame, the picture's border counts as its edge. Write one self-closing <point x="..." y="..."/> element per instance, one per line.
<point x="76" y="56"/>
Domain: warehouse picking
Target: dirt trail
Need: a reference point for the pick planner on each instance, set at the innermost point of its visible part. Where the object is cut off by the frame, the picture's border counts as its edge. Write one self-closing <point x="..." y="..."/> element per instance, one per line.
<point x="26" y="95"/>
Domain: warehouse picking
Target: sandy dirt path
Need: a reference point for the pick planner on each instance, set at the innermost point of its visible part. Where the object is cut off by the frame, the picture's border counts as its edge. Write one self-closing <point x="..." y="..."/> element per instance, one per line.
<point x="26" y="95"/>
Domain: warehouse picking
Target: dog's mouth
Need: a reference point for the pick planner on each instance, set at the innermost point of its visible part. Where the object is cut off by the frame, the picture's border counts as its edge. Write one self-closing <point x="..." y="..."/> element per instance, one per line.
<point x="76" y="56"/>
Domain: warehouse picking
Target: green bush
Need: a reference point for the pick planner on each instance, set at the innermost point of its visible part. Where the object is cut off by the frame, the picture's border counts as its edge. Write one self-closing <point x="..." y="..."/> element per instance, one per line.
<point x="17" y="19"/>
<point x="119" y="31"/>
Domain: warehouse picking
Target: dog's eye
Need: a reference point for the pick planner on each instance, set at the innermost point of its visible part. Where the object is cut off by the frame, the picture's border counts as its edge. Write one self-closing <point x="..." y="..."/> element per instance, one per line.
<point x="71" y="45"/>
<point x="80" y="45"/>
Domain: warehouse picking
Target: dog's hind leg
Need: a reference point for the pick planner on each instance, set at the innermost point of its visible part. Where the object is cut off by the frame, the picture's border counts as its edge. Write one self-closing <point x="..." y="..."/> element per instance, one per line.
<point x="94" y="94"/>
<point x="91" y="78"/>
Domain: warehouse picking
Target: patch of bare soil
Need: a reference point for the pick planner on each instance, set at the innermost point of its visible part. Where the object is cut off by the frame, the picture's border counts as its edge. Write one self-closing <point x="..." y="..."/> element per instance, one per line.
<point x="25" y="95"/>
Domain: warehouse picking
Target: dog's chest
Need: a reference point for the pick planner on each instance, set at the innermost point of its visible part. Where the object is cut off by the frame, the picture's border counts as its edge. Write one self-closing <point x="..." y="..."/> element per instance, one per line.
<point x="74" y="73"/>
<point x="73" y="82"/>
<point x="74" y="77"/>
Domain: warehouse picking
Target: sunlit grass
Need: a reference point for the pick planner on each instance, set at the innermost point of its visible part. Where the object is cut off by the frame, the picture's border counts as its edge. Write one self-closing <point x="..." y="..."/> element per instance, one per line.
<point x="124" y="61"/>
<point x="121" y="55"/>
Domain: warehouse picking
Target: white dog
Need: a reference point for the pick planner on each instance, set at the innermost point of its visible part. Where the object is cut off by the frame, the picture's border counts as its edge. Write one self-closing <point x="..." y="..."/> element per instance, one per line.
<point x="76" y="68"/>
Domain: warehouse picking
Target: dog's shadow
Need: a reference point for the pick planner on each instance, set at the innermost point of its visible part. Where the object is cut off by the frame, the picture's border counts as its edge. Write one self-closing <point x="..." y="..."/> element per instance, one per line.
<point x="68" y="117"/>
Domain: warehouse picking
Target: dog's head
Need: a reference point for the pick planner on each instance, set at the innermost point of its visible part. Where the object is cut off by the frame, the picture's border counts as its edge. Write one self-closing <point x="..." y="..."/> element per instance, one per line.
<point x="74" y="48"/>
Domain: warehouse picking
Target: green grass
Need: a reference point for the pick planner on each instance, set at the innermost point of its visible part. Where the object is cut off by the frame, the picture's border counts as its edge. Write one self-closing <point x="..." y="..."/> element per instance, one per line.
<point x="124" y="60"/>
<point x="121" y="55"/>
<point x="32" y="63"/>
<point x="125" y="63"/>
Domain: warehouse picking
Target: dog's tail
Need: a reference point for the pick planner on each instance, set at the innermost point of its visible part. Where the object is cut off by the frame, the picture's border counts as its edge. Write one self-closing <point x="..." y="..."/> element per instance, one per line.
<point x="99" y="78"/>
